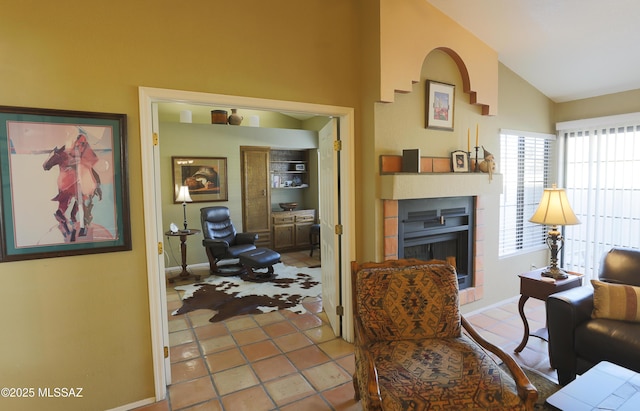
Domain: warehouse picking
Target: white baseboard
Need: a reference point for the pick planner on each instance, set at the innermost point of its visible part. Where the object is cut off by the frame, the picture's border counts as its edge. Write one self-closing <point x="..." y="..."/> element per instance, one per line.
<point x="133" y="405"/>
<point x="498" y="304"/>
<point x="178" y="269"/>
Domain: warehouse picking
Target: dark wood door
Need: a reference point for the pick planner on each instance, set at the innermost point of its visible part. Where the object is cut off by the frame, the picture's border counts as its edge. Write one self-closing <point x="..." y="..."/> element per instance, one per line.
<point x="256" y="193"/>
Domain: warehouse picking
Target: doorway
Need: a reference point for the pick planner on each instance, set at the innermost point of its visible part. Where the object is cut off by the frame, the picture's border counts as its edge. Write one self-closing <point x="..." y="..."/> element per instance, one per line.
<point x="148" y="97"/>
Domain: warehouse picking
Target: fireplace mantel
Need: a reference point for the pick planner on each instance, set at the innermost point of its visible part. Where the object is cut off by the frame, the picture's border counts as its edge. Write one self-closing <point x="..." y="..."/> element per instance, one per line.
<point x="404" y="186"/>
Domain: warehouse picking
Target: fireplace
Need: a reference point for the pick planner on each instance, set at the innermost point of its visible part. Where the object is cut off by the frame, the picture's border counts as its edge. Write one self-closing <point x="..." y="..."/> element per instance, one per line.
<point x="439" y="228"/>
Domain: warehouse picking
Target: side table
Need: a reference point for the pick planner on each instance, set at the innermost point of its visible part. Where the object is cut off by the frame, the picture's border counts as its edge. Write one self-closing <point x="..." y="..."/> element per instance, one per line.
<point x="606" y="386"/>
<point x="184" y="275"/>
<point x="534" y="284"/>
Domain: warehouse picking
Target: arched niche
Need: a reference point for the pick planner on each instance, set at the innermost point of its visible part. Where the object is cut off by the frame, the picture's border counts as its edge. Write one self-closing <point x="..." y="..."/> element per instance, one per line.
<point x="466" y="82"/>
<point x="410" y="30"/>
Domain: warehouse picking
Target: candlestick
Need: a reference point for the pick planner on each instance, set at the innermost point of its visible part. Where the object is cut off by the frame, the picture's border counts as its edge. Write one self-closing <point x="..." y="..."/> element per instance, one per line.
<point x="475" y="167"/>
<point x="468" y="141"/>
<point x="477" y="145"/>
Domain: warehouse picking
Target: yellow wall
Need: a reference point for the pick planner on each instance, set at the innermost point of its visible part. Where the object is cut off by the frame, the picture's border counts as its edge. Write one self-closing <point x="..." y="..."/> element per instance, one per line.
<point x="397" y="37"/>
<point x="83" y="321"/>
<point x="522" y="107"/>
<point x="409" y="30"/>
<point x="400" y="125"/>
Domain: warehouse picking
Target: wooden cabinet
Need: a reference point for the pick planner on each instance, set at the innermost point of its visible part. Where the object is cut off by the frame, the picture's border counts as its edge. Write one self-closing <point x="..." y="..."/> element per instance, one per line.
<point x="256" y="196"/>
<point x="291" y="229"/>
<point x="289" y="169"/>
<point x="283" y="234"/>
<point x="302" y="234"/>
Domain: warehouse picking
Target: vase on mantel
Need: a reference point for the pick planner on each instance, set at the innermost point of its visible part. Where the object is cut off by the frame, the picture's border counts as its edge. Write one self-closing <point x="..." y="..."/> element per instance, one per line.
<point x="235" y="119"/>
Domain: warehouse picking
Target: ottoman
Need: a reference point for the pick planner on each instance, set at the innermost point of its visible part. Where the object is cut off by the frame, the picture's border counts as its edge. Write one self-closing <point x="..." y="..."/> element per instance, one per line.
<point x="259" y="258"/>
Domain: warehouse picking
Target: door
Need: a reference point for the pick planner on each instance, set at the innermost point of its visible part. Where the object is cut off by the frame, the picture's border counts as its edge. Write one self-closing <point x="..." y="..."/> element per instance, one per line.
<point x="162" y="285"/>
<point x="256" y="194"/>
<point x="329" y="219"/>
<point x="151" y="190"/>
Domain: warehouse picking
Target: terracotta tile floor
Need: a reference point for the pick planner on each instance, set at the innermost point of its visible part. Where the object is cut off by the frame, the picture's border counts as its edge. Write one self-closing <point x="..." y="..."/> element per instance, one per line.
<point x="286" y="361"/>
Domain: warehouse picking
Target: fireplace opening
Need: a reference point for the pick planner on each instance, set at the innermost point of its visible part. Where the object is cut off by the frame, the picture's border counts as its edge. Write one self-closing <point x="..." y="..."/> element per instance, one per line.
<point x="439" y="228"/>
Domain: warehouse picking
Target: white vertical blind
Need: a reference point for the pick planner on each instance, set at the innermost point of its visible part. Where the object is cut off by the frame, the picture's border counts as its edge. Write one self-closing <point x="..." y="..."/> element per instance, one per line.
<point x="524" y="165"/>
<point x="602" y="180"/>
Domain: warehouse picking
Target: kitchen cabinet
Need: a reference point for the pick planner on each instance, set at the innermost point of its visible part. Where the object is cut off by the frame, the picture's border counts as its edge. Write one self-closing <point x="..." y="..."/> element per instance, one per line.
<point x="291" y="229"/>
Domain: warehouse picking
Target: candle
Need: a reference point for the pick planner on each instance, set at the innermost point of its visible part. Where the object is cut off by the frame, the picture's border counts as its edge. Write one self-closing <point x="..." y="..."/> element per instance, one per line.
<point x="468" y="142"/>
<point x="477" y="135"/>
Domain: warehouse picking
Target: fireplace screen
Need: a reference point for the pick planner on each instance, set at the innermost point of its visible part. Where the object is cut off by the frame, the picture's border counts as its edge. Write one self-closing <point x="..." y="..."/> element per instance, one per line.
<point x="441" y="229"/>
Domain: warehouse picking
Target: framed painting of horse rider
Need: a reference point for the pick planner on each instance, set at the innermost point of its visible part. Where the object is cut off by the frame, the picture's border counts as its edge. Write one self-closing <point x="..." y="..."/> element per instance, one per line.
<point x="64" y="183"/>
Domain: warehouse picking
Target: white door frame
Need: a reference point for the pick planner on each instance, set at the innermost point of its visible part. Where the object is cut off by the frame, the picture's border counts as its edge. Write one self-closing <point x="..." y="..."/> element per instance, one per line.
<point x="152" y="210"/>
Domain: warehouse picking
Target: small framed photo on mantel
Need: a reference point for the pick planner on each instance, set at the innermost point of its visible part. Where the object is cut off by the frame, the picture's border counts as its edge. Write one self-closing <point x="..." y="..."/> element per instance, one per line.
<point x="440" y="105"/>
<point x="460" y="161"/>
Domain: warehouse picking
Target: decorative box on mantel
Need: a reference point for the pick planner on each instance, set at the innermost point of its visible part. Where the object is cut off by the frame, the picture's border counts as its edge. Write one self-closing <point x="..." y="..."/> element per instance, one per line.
<point x="434" y="180"/>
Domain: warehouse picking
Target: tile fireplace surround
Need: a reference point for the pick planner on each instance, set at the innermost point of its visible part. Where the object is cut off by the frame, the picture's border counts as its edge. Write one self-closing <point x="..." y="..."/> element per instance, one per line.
<point x="400" y="186"/>
<point x="467" y="295"/>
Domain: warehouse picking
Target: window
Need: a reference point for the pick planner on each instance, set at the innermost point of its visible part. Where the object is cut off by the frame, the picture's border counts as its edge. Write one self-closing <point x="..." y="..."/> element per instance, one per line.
<point x="602" y="169"/>
<point x="524" y="165"/>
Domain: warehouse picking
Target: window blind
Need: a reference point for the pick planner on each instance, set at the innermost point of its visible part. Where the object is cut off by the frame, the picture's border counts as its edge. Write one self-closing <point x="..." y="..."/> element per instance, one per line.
<point x="602" y="180"/>
<point x="524" y="165"/>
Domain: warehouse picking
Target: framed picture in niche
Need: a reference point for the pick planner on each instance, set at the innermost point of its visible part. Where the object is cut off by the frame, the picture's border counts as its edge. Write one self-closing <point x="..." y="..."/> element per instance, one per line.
<point x="440" y="105"/>
<point x="460" y="161"/>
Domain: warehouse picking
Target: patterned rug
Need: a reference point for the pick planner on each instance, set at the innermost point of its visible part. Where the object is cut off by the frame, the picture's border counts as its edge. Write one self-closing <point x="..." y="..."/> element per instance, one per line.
<point x="545" y="386"/>
<point x="238" y="295"/>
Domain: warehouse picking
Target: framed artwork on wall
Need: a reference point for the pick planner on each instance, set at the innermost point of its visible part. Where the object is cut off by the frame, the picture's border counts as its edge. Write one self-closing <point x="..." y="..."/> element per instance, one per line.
<point x="64" y="183"/>
<point x="460" y="161"/>
<point x="440" y="105"/>
<point x="206" y="178"/>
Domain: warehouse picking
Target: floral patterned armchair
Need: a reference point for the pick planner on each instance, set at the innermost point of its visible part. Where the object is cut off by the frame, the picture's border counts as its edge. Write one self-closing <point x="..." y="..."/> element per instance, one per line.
<point x="410" y="351"/>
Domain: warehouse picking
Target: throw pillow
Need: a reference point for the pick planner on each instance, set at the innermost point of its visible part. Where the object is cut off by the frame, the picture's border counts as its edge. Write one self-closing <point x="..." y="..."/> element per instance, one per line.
<point x="615" y="301"/>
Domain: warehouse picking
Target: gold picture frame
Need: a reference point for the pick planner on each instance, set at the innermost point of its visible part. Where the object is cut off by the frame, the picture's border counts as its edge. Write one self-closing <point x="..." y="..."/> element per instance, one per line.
<point x="206" y="178"/>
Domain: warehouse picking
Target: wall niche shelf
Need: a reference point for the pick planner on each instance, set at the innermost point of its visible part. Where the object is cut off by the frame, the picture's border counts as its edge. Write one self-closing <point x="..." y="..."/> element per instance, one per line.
<point x="289" y="169"/>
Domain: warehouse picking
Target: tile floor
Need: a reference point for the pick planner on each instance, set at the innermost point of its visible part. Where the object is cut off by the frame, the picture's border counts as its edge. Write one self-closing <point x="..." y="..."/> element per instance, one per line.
<point x="286" y="361"/>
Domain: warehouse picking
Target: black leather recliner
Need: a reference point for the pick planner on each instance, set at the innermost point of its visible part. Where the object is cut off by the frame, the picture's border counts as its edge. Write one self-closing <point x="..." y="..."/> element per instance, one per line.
<point x="576" y="341"/>
<point x="221" y="240"/>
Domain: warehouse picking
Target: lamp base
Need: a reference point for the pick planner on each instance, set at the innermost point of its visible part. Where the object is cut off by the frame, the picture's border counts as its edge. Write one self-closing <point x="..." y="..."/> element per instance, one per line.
<point x="555" y="273"/>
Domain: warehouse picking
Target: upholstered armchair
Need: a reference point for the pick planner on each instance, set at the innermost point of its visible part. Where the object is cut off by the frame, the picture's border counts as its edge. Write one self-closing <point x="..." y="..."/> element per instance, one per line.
<point x="410" y="350"/>
<point x="588" y="325"/>
<point x="221" y="240"/>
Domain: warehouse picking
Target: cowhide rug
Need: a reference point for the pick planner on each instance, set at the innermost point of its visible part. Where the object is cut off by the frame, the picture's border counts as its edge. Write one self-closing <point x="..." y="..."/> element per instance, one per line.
<point x="238" y="295"/>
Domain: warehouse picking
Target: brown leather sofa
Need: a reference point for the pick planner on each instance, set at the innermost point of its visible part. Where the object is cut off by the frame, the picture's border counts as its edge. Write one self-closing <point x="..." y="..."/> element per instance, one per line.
<point x="577" y="342"/>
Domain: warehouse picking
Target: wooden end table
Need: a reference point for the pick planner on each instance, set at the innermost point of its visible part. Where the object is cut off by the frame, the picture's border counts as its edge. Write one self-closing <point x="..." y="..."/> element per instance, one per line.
<point x="184" y="275"/>
<point x="533" y="284"/>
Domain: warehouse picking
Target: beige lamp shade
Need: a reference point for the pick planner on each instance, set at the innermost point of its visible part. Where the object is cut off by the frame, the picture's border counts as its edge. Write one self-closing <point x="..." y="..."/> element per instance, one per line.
<point x="183" y="195"/>
<point x="554" y="209"/>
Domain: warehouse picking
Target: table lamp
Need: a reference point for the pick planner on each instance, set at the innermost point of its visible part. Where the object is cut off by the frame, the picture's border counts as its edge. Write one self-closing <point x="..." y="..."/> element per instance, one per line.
<point x="554" y="210"/>
<point x="183" y="195"/>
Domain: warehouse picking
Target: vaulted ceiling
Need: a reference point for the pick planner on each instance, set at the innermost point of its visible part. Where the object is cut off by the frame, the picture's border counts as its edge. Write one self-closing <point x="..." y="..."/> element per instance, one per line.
<point x="567" y="49"/>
